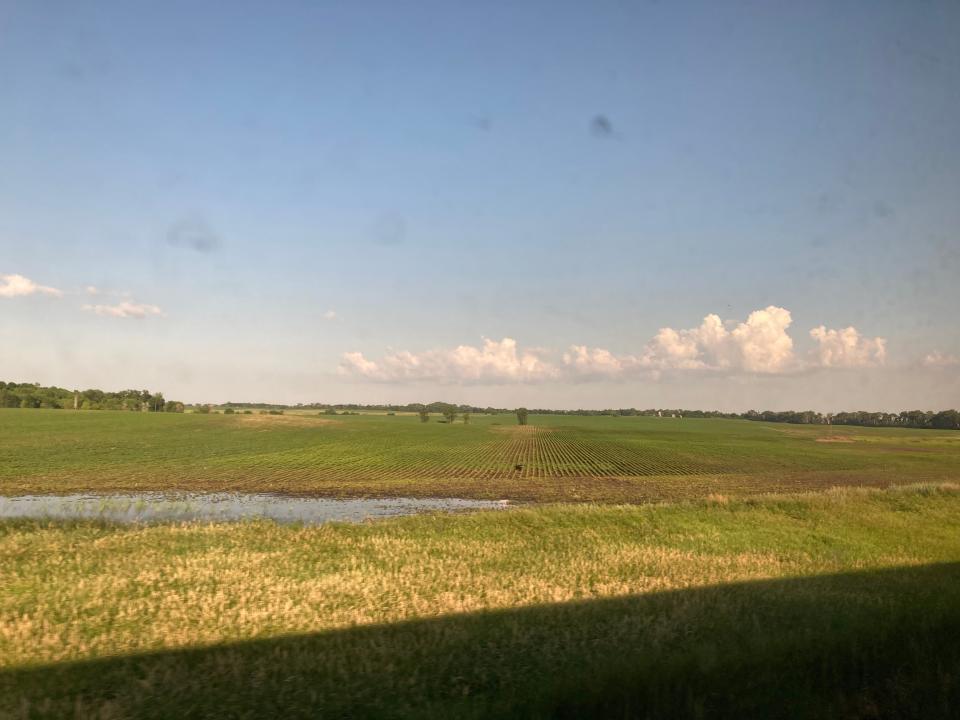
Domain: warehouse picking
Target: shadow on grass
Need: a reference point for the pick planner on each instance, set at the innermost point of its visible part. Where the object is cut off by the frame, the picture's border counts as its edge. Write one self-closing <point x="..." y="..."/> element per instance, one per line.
<point x="879" y="644"/>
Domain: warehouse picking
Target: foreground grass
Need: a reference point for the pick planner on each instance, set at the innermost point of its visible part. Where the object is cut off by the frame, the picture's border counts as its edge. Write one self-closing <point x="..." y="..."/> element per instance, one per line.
<point x="834" y="604"/>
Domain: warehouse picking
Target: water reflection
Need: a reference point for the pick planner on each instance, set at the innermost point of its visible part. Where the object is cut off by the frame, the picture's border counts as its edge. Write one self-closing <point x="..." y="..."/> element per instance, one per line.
<point x="153" y="507"/>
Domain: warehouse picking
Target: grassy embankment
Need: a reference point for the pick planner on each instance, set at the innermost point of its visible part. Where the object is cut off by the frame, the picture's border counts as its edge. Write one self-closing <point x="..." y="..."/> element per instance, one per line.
<point x="563" y="459"/>
<point x="839" y="604"/>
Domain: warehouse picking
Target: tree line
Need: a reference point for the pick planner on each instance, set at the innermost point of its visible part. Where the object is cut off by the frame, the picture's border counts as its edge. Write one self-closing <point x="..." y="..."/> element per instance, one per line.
<point x="943" y="420"/>
<point x="33" y="395"/>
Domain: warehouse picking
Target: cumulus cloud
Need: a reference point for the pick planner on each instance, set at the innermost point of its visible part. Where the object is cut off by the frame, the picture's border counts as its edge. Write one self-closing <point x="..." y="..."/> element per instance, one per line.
<point x="92" y="290"/>
<point x="330" y="315"/>
<point x="937" y="359"/>
<point x="597" y="362"/>
<point x="847" y="348"/>
<point x="494" y="362"/>
<point x="18" y="285"/>
<point x="758" y="345"/>
<point x="126" y="310"/>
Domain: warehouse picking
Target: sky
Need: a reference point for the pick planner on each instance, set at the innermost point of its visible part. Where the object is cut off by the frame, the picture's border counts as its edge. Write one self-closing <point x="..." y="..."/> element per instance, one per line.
<point x="553" y="204"/>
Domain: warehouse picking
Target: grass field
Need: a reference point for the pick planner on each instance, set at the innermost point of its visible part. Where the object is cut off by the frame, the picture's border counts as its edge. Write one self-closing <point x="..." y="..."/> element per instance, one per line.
<point x="844" y="603"/>
<point x="606" y="459"/>
<point x="659" y="568"/>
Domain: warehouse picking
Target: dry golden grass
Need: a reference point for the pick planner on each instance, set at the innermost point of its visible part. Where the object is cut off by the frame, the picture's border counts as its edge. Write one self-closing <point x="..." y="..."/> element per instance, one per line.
<point x="83" y="590"/>
<point x="267" y="421"/>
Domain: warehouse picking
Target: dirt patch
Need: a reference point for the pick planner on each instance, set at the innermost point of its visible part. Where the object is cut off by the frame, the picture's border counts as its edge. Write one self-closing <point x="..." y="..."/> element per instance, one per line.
<point x="266" y="421"/>
<point x="836" y="439"/>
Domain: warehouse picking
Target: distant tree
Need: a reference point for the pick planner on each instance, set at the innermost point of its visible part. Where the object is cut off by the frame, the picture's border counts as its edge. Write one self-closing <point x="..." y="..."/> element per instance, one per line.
<point x="424" y="415"/>
<point x="449" y="414"/>
<point x="521" y="416"/>
<point x="946" y="420"/>
<point x="466" y="417"/>
<point x="228" y="411"/>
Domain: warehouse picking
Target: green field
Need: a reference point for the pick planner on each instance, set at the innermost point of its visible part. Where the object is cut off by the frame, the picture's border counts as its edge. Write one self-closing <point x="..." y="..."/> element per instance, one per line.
<point x="655" y="568"/>
<point x="562" y="458"/>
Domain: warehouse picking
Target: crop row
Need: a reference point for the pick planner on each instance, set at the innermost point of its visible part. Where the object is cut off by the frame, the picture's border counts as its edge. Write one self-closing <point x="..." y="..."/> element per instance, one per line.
<point x="503" y="453"/>
<point x="535" y="452"/>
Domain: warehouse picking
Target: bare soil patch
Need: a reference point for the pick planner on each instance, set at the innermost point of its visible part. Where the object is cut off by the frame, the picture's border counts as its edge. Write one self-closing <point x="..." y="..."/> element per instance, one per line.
<point x="266" y="421"/>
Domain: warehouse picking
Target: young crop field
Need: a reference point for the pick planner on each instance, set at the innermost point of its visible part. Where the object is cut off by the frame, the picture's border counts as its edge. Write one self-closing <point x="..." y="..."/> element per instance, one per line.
<point x="554" y="458"/>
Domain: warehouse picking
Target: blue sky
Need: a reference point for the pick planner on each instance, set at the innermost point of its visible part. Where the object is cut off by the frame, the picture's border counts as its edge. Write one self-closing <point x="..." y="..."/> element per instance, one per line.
<point x="257" y="189"/>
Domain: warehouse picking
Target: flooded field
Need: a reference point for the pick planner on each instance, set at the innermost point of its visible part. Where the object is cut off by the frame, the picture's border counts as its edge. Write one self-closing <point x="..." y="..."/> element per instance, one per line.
<point x="154" y="507"/>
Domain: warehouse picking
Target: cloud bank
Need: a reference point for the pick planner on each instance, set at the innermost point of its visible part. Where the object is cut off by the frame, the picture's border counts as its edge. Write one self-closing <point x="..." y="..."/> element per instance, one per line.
<point x="760" y="345"/>
<point x="847" y="348"/>
<point x="18" y="286"/>
<point x="937" y="359"/>
<point x="494" y="362"/>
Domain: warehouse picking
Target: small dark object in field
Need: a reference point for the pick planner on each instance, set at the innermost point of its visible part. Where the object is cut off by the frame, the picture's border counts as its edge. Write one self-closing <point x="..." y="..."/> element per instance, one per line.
<point x="518" y="467"/>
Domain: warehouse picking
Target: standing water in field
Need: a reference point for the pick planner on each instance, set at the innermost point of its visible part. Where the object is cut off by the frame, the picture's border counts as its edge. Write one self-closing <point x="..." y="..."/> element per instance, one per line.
<point x="223" y="507"/>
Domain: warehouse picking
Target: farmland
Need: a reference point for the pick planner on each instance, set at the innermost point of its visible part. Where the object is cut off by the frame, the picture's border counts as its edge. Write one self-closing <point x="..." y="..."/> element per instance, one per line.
<point x="554" y="458"/>
<point x="652" y="567"/>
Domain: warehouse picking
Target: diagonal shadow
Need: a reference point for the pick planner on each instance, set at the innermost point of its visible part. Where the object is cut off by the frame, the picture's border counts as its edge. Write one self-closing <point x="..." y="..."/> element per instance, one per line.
<point x="877" y="644"/>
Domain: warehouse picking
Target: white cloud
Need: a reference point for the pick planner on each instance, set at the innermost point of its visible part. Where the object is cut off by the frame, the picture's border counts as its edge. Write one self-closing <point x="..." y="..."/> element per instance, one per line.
<point x="330" y="315"/>
<point x="937" y="359"/>
<point x="354" y="363"/>
<point x="597" y="362"/>
<point x="762" y="342"/>
<point x="494" y="362"/>
<point x="92" y="290"/>
<point x="125" y="310"/>
<point x="758" y="345"/>
<point x="847" y="348"/>
<point x="18" y="285"/>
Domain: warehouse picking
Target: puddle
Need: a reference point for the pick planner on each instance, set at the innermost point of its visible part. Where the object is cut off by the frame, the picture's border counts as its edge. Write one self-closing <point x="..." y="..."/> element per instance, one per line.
<point x="155" y="507"/>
